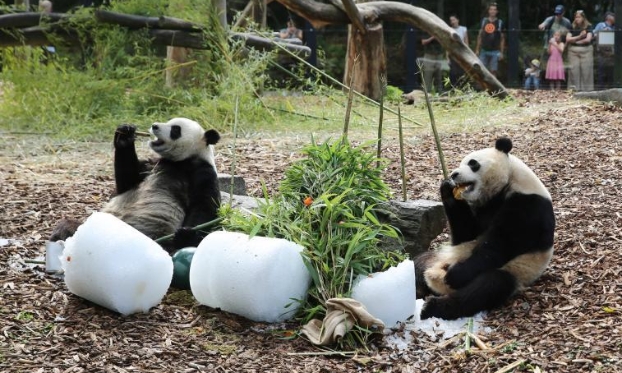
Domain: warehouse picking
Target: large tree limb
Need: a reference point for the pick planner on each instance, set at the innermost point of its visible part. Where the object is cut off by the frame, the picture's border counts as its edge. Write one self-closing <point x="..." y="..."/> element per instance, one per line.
<point x="353" y="13"/>
<point x="320" y="14"/>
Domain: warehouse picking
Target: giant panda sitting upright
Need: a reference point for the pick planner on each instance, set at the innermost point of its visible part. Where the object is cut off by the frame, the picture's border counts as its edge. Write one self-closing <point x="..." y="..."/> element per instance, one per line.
<point x="169" y="194"/>
<point x="502" y="224"/>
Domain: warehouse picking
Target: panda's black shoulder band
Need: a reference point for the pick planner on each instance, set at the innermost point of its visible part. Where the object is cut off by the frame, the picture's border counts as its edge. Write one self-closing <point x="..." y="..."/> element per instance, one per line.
<point x="211" y="137"/>
<point x="504" y="144"/>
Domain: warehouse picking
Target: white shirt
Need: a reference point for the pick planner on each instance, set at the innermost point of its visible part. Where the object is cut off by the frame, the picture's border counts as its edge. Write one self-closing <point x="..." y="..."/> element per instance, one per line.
<point x="461" y="30"/>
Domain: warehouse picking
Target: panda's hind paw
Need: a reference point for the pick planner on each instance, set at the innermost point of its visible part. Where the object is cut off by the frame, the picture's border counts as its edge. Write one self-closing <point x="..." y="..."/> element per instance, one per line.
<point x="441" y="307"/>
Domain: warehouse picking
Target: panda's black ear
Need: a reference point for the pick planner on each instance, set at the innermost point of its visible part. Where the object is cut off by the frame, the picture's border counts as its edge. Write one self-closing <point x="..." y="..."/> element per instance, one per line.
<point x="211" y="137"/>
<point x="504" y="144"/>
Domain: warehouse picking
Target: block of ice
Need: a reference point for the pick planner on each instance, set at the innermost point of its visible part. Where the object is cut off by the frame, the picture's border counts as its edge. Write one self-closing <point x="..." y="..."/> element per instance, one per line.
<point x="389" y="295"/>
<point x="112" y="264"/>
<point x="258" y="278"/>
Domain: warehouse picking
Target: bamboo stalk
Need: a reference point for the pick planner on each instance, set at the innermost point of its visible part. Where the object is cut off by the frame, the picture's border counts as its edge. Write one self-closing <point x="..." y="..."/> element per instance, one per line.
<point x="233" y="160"/>
<point x="358" y="94"/>
<point x="196" y="228"/>
<point x="441" y="157"/>
<point x="383" y="84"/>
<point x="346" y="123"/>
<point x="468" y="334"/>
<point x="402" y="158"/>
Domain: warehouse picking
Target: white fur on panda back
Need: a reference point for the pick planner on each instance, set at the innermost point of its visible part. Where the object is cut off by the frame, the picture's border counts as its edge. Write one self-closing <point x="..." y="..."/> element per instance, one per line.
<point x="152" y="209"/>
<point x="524" y="180"/>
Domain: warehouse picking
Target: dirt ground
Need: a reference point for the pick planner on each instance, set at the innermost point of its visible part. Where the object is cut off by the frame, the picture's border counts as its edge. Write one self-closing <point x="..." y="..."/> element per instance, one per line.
<point x="569" y="321"/>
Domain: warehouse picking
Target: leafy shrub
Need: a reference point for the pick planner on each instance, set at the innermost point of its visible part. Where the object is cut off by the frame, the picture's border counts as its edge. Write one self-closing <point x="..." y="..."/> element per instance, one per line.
<point x="327" y="203"/>
<point x="117" y="76"/>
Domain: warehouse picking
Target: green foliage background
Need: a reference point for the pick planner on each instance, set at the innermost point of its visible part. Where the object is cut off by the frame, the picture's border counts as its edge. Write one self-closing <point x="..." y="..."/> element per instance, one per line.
<point x="117" y="76"/>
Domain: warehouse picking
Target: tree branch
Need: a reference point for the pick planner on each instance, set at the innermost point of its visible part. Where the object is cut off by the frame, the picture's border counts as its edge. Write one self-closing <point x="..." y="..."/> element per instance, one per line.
<point x="320" y="14"/>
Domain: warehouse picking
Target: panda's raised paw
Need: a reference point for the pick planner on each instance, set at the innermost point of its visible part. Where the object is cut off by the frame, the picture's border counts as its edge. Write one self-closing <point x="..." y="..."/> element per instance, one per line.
<point x="124" y="135"/>
<point x="447" y="190"/>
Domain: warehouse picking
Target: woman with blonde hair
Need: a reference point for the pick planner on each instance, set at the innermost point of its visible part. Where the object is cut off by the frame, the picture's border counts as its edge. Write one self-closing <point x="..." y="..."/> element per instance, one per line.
<point x="580" y="54"/>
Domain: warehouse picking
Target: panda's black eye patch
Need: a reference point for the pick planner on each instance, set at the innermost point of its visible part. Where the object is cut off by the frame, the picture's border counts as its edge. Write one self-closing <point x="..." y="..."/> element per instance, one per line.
<point x="175" y="132"/>
<point x="474" y="165"/>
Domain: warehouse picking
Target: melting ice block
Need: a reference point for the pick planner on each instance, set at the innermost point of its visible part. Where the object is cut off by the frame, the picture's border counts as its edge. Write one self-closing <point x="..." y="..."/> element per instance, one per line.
<point x="389" y="295"/>
<point x="258" y="278"/>
<point x="112" y="264"/>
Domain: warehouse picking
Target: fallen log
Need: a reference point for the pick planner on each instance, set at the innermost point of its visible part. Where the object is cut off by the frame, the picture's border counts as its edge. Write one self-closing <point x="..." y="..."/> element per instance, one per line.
<point x="613" y="95"/>
<point x="132" y="21"/>
<point x="22" y="20"/>
<point x="27" y="28"/>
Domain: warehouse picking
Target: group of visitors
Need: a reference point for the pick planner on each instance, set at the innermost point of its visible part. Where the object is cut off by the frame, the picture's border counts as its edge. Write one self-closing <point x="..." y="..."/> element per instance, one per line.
<point x="578" y="38"/>
<point x="575" y="38"/>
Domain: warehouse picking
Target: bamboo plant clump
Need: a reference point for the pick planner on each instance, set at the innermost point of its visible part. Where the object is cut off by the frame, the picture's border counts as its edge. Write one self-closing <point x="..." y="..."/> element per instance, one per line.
<point x="327" y="203"/>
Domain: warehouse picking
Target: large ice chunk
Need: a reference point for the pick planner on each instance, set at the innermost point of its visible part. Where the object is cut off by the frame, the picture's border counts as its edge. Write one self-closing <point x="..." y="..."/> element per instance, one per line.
<point x="259" y="278"/>
<point x="112" y="264"/>
<point x="389" y="295"/>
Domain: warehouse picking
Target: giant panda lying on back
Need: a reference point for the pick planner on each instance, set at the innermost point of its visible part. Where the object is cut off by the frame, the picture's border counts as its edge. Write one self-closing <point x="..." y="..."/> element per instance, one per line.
<point x="169" y="194"/>
<point x="502" y="223"/>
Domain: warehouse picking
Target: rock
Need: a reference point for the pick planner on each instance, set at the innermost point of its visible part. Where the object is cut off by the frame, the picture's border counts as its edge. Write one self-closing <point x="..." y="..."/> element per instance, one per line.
<point x="420" y="221"/>
<point x="243" y="202"/>
<point x="608" y="95"/>
<point x="239" y="185"/>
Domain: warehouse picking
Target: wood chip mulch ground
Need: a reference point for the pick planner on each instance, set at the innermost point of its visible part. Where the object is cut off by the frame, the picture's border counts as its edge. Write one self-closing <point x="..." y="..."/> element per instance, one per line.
<point x="569" y="321"/>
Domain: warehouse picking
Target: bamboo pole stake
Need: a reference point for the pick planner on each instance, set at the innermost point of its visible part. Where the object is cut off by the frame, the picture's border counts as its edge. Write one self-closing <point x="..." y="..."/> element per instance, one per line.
<point x="346" y="123"/>
<point x="402" y="158"/>
<point x="358" y="94"/>
<point x="437" y="139"/>
<point x="234" y="157"/>
<point x="383" y="84"/>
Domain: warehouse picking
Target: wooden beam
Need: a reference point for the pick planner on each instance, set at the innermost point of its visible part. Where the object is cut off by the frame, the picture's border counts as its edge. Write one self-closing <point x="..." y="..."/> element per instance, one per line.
<point x="22" y="20"/>
<point x="136" y="22"/>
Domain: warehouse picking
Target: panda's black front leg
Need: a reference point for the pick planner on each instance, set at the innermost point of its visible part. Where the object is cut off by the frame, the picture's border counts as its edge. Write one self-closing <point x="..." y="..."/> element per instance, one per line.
<point x="462" y="222"/>
<point x="126" y="165"/>
<point x="204" y="202"/>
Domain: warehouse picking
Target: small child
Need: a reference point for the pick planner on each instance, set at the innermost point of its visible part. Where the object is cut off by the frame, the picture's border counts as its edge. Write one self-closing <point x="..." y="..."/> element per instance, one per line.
<point x="555" y="67"/>
<point x="532" y="75"/>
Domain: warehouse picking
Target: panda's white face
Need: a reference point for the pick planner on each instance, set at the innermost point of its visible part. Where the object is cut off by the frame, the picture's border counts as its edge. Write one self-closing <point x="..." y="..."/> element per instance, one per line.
<point x="484" y="173"/>
<point x="179" y="139"/>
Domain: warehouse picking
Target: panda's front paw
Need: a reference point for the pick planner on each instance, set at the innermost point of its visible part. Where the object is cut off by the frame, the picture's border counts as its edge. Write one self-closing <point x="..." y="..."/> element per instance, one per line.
<point x="458" y="276"/>
<point x="447" y="190"/>
<point x="124" y="136"/>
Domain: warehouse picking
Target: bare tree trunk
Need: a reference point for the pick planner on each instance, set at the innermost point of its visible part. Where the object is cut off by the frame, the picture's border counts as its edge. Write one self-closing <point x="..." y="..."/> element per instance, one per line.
<point x="175" y="56"/>
<point x="369" y="53"/>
